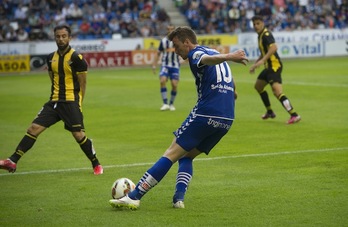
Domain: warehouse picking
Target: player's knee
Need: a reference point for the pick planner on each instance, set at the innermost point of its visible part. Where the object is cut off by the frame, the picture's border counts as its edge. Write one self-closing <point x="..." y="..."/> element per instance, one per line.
<point x="35" y="129"/>
<point x="78" y="135"/>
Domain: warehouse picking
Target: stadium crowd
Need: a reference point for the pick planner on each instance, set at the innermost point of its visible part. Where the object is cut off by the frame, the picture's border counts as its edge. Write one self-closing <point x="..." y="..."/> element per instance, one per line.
<point x="234" y="16"/>
<point x="24" y="20"/>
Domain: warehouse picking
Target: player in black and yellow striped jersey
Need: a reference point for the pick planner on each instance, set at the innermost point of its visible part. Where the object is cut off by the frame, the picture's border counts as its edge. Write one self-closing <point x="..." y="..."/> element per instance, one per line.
<point x="271" y="74"/>
<point x="67" y="70"/>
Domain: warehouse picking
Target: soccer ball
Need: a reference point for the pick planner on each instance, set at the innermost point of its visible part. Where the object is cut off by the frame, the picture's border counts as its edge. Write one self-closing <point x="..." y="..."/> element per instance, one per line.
<point x="121" y="187"/>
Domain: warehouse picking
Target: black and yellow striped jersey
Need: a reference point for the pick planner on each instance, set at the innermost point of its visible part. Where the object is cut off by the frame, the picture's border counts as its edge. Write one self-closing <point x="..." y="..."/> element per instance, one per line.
<point x="64" y="70"/>
<point x="265" y="40"/>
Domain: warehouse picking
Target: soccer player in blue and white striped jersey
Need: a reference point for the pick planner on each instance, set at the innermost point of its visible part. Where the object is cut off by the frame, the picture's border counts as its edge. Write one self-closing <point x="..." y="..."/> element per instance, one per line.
<point x="210" y="119"/>
<point x="170" y="69"/>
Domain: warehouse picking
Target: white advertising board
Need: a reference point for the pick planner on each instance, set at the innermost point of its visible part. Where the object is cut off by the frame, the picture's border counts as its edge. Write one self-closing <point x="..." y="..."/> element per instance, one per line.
<point x="287" y="50"/>
<point x="37" y="48"/>
<point x="298" y="36"/>
<point x="337" y="48"/>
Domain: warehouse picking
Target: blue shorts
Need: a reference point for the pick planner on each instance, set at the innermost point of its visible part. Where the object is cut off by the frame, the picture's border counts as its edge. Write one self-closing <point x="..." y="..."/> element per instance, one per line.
<point x="170" y="72"/>
<point x="202" y="133"/>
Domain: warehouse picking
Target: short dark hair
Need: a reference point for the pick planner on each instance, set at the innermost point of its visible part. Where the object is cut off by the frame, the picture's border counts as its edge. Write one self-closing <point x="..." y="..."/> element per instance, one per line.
<point x="64" y="26"/>
<point x="257" y="17"/>
<point x="183" y="33"/>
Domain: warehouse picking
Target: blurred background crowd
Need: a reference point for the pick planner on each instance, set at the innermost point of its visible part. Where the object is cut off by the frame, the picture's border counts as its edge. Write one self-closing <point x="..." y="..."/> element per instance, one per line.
<point x="234" y="16"/>
<point x="30" y="20"/>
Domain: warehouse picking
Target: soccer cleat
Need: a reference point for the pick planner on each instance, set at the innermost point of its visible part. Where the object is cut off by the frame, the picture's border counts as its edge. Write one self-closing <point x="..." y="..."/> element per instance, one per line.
<point x="268" y="115"/>
<point x="98" y="170"/>
<point x="8" y="165"/>
<point x="165" y="107"/>
<point x="179" y="204"/>
<point x="294" y="119"/>
<point x="125" y="201"/>
<point x="172" y="108"/>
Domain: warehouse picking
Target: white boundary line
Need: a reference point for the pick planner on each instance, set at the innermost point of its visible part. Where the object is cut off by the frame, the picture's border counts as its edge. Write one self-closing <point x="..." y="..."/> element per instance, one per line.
<point x="198" y="159"/>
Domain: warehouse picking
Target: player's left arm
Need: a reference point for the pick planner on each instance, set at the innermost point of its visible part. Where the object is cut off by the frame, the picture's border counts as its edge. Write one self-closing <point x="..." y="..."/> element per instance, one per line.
<point x="81" y="67"/>
<point x="82" y="78"/>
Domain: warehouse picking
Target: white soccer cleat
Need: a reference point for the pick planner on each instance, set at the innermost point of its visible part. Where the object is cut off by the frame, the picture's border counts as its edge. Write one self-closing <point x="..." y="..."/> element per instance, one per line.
<point x="179" y="204"/>
<point x="165" y="107"/>
<point x="125" y="201"/>
<point x="172" y="108"/>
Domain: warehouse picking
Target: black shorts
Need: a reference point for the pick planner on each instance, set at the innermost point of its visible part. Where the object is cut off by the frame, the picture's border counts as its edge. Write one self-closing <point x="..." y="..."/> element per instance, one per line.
<point x="69" y="112"/>
<point x="271" y="76"/>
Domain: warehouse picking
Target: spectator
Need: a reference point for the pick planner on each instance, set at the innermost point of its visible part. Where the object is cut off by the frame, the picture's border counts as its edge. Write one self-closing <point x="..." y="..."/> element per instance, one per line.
<point x="3" y="14"/>
<point x="22" y="35"/>
<point x="135" y="13"/>
<point x="106" y="33"/>
<point x="234" y="14"/>
<point x="11" y="35"/>
<point x="53" y="5"/>
<point x="48" y="27"/>
<point x="110" y="14"/>
<point x="75" y="29"/>
<point x="59" y="18"/>
<point x="75" y="12"/>
<point x="2" y="39"/>
<point x="97" y="8"/>
<point x="20" y="13"/>
<point x="127" y="16"/>
<point x="96" y="29"/>
<point x="37" y="6"/>
<point x="145" y="31"/>
<point x="8" y="7"/>
<point x="65" y="11"/>
<point x="86" y="9"/>
<point x="99" y="15"/>
<point x="114" y="25"/>
<point x="34" y="20"/>
<point x="133" y="30"/>
<point x="85" y="27"/>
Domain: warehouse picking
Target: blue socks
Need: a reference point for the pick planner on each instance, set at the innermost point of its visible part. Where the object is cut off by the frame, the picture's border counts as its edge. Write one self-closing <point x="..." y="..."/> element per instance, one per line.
<point x="183" y="178"/>
<point x="164" y="95"/>
<point x="151" y="178"/>
<point x="172" y="97"/>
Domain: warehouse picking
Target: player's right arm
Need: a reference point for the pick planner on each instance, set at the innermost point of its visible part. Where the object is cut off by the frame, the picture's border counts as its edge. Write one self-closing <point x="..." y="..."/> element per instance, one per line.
<point x="236" y="56"/>
<point x="49" y="67"/>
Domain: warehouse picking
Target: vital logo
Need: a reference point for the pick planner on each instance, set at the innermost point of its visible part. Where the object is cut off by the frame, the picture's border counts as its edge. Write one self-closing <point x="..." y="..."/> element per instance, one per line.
<point x="307" y="49"/>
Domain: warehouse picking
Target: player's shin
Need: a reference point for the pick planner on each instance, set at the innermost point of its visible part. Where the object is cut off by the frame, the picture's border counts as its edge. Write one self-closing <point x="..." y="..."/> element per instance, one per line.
<point x="24" y="145"/>
<point x="87" y="147"/>
<point x="151" y="178"/>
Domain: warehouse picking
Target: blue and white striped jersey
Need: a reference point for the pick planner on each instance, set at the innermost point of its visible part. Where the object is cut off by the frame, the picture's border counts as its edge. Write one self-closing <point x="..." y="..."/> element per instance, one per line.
<point x="169" y="57"/>
<point x="214" y="85"/>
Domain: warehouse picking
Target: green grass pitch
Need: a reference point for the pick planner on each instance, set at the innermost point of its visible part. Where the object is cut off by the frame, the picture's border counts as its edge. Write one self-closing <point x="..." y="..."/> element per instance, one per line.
<point x="263" y="173"/>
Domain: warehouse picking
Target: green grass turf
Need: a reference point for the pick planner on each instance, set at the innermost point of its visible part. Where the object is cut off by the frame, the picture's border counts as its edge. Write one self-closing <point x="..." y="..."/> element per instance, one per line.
<point x="263" y="173"/>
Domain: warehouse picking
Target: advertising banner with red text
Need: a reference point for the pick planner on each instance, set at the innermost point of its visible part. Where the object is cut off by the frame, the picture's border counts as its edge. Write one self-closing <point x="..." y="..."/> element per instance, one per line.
<point x="108" y="59"/>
